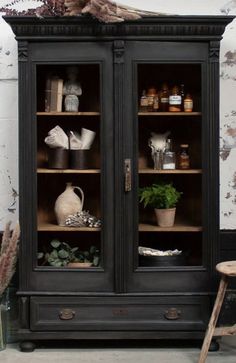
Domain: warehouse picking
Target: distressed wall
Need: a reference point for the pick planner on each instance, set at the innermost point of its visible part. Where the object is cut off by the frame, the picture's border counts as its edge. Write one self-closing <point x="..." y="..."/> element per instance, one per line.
<point x="227" y="158"/>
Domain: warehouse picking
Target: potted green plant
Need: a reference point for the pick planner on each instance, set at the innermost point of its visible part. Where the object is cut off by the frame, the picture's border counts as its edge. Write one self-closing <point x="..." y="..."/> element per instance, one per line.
<point x="61" y="254"/>
<point x="163" y="197"/>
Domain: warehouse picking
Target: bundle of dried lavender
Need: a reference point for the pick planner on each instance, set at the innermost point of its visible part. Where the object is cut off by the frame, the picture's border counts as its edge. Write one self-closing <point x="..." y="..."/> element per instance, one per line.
<point x="8" y="255"/>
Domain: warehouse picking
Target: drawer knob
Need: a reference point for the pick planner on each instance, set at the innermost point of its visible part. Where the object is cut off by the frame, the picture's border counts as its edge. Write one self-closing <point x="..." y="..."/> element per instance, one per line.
<point x="172" y="314"/>
<point x="66" y="314"/>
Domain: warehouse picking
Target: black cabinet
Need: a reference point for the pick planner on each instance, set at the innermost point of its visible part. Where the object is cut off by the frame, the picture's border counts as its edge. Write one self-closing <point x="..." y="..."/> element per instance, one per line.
<point x="121" y="296"/>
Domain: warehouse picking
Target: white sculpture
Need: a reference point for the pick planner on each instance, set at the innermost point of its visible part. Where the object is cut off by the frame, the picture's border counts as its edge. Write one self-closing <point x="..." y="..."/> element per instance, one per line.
<point x="157" y="143"/>
<point x="72" y="89"/>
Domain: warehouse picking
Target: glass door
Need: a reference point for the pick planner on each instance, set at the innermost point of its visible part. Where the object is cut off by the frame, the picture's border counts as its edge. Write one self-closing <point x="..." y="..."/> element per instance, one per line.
<point x="74" y="172"/>
<point x="167" y="250"/>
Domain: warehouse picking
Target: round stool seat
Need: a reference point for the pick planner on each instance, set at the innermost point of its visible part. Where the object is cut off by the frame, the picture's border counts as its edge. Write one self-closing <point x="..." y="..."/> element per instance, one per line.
<point x="227" y="268"/>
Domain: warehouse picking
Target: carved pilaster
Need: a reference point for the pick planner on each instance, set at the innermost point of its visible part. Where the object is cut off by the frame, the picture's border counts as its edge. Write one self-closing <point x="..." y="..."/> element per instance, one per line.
<point x="24" y="312"/>
<point x="213" y="142"/>
<point x="214" y="51"/>
<point x="23" y="51"/>
<point x="119" y="48"/>
<point x="118" y="58"/>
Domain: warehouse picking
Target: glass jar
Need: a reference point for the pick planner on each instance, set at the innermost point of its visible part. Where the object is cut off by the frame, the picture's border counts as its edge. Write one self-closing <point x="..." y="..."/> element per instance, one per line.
<point x="164" y="97"/>
<point x="169" y="159"/>
<point x="143" y="107"/>
<point x="151" y="93"/>
<point x="175" y="100"/>
<point x="184" y="160"/>
<point x="188" y="103"/>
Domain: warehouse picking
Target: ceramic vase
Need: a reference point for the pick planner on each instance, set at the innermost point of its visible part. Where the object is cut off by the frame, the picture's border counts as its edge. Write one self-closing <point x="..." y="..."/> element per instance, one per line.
<point x="3" y="321"/>
<point x="68" y="203"/>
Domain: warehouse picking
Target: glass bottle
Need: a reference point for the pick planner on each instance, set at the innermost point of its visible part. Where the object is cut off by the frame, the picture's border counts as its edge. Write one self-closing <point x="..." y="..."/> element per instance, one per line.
<point x="151" y="93"/>
<point x="156" y="103"/>
<point x="143" y="107"/>
<point x="188" y="103"/>
<point x="182" y="94"/>
<point x="169" y="160"/>
<point x="175" y="100"/>
<point x="164" y="97"/>
<point x="184" y="160"/>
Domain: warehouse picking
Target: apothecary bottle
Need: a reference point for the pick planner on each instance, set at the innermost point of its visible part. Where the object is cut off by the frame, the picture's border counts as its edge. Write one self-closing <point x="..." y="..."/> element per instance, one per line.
<point x="164" y="97"/>
<point x="169" y="159"/>
<point x="151" y="93"/>
<point x="182" y="94"/>
<point x="188" y="103"/>
<point x="184" y="159"/>
<point x="156" y="103"/>
<point x="175" y="100"/>
<point x="143" y="107"/>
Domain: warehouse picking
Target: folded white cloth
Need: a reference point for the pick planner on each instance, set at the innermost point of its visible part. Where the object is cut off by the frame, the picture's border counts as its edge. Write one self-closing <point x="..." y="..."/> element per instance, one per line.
<point x="57" y="138"/>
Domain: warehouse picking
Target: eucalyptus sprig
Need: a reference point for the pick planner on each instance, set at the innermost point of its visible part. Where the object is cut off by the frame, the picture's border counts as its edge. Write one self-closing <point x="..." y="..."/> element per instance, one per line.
<point x="61" y="253"/>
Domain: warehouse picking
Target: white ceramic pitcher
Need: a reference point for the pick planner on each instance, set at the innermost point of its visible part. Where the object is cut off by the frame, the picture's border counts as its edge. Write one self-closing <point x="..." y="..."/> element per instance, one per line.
<point x="68" y="203"/>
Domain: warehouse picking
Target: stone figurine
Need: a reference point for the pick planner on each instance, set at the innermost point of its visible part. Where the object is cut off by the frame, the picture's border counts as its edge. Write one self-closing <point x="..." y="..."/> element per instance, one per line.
<point x="72" y="90"/>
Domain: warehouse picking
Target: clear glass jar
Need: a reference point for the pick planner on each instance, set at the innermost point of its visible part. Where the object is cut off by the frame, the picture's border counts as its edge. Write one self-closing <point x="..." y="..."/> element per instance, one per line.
<point x="169" y="160"/>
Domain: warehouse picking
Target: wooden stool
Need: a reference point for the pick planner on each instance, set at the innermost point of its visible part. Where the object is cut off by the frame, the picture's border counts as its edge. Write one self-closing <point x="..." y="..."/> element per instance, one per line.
<point x="226" y="269"/>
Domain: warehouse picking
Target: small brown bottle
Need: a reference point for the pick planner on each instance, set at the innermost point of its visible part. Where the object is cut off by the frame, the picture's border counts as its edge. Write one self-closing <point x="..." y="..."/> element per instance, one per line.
<point x="184" y="160"/>
<point x="188" y="103"/>
<point x="143" y="107"/>
<point x="151" y="93"/>
<point x="175" y="100"/>
<point x="164" y="98"/>
<point x="182" y="94"/>
<point x="156" y="103"/>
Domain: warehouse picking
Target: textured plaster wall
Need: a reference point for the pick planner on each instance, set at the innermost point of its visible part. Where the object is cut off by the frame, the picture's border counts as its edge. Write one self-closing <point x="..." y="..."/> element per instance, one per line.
<point x="227" y="158"/>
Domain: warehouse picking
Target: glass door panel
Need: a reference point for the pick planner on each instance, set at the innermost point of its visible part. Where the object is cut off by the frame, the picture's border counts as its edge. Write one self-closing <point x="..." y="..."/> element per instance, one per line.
<point x="65" y="164"/>
<point x="161" y="123"/>
<point x="72" y="169"/>
<point x="163" y="128"/>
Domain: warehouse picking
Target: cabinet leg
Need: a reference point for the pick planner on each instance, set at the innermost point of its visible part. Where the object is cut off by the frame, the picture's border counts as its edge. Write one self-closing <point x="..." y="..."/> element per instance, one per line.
<point x="214" y="346"/>
<point x="27" y="347"/>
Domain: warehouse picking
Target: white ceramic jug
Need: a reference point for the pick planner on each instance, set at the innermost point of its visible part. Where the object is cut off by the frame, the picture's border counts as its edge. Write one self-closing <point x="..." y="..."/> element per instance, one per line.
<point x="68" y="203"/>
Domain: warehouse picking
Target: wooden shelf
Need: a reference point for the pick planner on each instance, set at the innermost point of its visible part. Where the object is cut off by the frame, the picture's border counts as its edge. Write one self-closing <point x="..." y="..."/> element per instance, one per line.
<point x="68" y="171"/>
<point x="169" y="113"/>
<point x="176" y="228"/>
<point x="49" y="227"/>
<point x="68" y="113"/>
<point x="175" y="171"/>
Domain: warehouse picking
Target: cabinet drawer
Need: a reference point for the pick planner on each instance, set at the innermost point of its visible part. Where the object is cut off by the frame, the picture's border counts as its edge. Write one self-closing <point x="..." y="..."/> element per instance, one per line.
<point x="121" y="313"/>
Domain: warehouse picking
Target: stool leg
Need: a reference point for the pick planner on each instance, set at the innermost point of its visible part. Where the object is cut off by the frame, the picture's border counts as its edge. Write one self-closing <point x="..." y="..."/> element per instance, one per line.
<point x="214" y="317"/>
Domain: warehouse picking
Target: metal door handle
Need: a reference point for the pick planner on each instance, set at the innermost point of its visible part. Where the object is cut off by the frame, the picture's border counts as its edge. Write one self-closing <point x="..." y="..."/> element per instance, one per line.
<point x="127" y="171"/>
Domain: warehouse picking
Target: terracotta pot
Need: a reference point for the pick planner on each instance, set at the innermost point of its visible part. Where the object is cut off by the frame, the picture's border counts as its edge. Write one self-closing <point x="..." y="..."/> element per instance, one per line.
<point x="165" y="217"/>
<point x="79" y="264"/>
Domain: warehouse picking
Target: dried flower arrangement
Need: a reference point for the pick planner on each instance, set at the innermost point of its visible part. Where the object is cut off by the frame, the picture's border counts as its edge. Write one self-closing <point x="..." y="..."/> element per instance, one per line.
<point x="104" y="10"/>
<point x="8" y="255"/>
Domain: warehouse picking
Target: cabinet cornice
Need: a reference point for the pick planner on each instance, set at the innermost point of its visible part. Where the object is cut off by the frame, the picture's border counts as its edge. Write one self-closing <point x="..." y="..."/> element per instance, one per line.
<point x="160" y="27"/>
